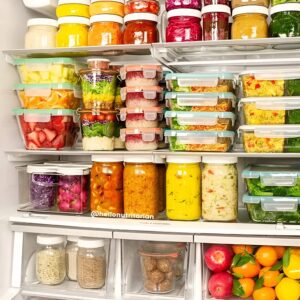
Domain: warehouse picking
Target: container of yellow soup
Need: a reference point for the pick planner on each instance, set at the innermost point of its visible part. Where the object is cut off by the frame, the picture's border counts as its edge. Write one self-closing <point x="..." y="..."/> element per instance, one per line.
<point x="183" y="188"/>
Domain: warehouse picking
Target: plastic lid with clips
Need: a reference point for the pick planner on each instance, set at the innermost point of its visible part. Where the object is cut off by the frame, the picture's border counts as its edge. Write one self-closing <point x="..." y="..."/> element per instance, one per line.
<point x="84" y="2"/>
<point x="74" y="20"/>
<point x="107" y="158"/>
<point x="183" y="159"/>
<point x="250" y="9"/>
<point x="285" y="7"/>
<point x="49" y="239"/>
<point x="184" y="12"/>
<point x="42" y="22"/>
<point x="219" y="160"/>
<point x="138" y="159"/>
<point x="98" y="63"/>
<point x="71" y="238"/>
<point x="106" y="18"/>
<point x="90" y="243"/>
<point x="140" y="16"/>
<point x="216" y="8"/>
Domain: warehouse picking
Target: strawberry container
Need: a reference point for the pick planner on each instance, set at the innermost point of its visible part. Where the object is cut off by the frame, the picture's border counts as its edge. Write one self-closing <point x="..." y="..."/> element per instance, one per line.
<point x="49" y="129"/>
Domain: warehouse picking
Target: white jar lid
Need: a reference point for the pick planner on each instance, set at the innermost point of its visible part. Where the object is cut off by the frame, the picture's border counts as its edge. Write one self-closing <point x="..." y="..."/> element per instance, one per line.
<point x="72" y="238"/>
<point x="84" y="2"/>
<point x="74" y="20"/>
<point x="42" y="22"/>
<point x="49" y="239"/>
<point x="98" y="59"/>
<point x="106" y="18"/>
<point x="184" y="12"/>
<point x="138" y="159"/>
<point x="183" y="159"/>
<point x="140" y="17"/>
<point x="73" y="170"/>
<point x="36" y="169"/>
<point x="120" y="1"/>
<point x="285" y="7"/>
<point x="216" y="8"/>
<point x="250" y="9"/>
<point x="107" y="158"/>
<point x="219" y="160"/>
<point x="90" y="243"/>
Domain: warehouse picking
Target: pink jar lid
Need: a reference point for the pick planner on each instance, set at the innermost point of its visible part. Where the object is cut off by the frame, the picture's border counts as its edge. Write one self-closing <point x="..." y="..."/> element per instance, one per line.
<point x="150" y="113"/>
<point x="149" y="71"/>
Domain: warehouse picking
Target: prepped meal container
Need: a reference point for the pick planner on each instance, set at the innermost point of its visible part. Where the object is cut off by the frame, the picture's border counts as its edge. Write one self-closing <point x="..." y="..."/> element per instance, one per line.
<point x="270" y="110"/>
<point x="50" y="129"/>
<point x="112" y="7"/>
<point x="141" y="117"/>
<point x="142" y="96"/>
<point x="184" y="120"/>
<point x="210" y="141"/>
<point x="141" y="75"/>
<point x="200" y="101"/>
<point x="141" y="138"/>
<point x="273" y="180"/>
<point x="200" y="82"/>
<point x="49" y="96"/>
<point x="47" y="70"/>
<point x="142" y="6"/>
<point x="264" y="209"/>
<point x="270" y="138"/>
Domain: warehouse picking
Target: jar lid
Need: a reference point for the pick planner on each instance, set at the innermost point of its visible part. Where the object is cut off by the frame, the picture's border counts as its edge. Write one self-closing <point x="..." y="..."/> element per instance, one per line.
<point x="72" y="238"/>
<point x="73" y="171"/>
<point x="90" y="243"/>
<point x="138" y="159"/>
<point x="41" y="22"/>
<point x="49" y="239"/>
<point x="31" y="169"/>
<point x="120" y="1"/>
<point x="97" y="59"/>
<point x="216" y="8"/>
<point x="106" y="18"/>
<point x="140" y="16"/>
<point x="74" y="20"/>
<point x="183" y="159"/>
<point x="107" y="158"/>
<point x="285" y="7"/>
<point x="184" y="12"/>
<point x="84" y="2"/>
<point x="250" y="9"/>
<point x="219" y="160"/>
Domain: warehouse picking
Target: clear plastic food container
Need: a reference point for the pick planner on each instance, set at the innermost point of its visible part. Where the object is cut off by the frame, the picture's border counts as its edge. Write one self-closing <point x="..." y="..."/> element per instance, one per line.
<point x="184" y="120"/>
<point x="141" y="75"/>
<point x="50" y="129"/>
<point x="47" y="70"/>
<point x="264" y="209"/>
<point x="141" y="117"/>
<point x="210" y="141"/>
<point x="270" y="138"/>
<point x="200" y="82"/>
<point x="270" y="110"/>
<point x="141" y="138"/>
<point x="200" y="101"/>
<point x="49" y="96"/>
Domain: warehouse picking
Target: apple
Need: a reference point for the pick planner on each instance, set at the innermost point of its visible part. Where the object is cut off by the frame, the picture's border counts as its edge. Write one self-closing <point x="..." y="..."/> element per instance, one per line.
<point x="218" y="258"/>
<point x="220" y="285"/>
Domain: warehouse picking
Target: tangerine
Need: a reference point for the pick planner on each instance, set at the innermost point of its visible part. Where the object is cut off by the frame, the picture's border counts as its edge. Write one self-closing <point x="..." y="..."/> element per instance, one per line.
<point x="237" y="249"/>
<point x="271" y="278"/>
<point x="280" y="251"/>
<point x="264" y="293"/>
<point x="248" y="270"/>
<point x="266" y="256"/>
<point x="248" y="286"/>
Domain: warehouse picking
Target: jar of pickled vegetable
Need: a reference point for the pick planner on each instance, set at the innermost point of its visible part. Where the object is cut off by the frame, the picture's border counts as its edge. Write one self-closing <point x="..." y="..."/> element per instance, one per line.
<point x="176" y="4"/>
<point x="215" y="22"/>
<point x="140" y="29"/>
<point x="140" y="186"/>
<point x="215" y="2"/>
<point x="105" y="30"/>
<point x="107" y="184"/>
<point x="183" y="25"/>
<point x="142" y="6"/>
<point x="112" y="7"/>
<point x="238" y="3"/>
<point x="183" y="188"/>
<point x="73" y="8"/>
<point x="285" y="20"/>
<point x="249" y="22"/>
<point x="219" y="189"/>
<point x="73" y="32"/>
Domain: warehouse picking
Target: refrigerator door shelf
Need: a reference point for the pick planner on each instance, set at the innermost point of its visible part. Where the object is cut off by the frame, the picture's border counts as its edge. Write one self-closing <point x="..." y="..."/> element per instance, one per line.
<point x="45" y="7"/>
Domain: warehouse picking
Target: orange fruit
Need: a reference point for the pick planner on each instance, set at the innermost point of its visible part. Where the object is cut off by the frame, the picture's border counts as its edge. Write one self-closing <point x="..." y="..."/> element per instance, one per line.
<point x="248" y="286"/>
<point x="280" y="251"/>
<point x="266" y="256"/>
<point x="237" y="249"/>
<point x="271" y="278"/>
<point x="247" y="270"/>
<point x="264" y="293"/>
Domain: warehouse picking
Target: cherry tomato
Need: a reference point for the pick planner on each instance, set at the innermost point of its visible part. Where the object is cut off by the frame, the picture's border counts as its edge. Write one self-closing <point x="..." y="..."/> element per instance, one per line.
<point x="110" y="117"/>
<point x="100" y="117"/>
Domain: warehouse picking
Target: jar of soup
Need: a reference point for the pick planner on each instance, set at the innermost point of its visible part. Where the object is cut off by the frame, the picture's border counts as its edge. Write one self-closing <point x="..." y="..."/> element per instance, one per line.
<point x="219" y="189"/>
<point x="285" y="20"/>
<point x="238" y="3"/>
<point x="249" y="22"/>
<point x="215" y="22"/>
<point x="141" y="6"/>
<point x="71" y="257"/>
<point x="105" y="30"/>
<point x="112" y="7"/>
<point x="183" y="188"/>
<point x="73" y="32"/>
<point x="73" y="8"/>
<point x="183" y="25"/>
<point x="140" y="29"/>
<point x="176" y="4"/>
<point x="140" y="186"/>
<point x="107" y="184"/>
<point x="41" y="33"/>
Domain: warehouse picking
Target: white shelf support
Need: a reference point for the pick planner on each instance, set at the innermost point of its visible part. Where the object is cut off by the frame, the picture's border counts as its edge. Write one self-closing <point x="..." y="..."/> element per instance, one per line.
<point x="16" y="276"/>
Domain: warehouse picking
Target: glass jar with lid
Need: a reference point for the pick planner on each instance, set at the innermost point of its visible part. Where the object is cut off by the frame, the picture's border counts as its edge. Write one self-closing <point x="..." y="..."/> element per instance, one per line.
<point x="239" y="3"/>
<point x="41" y="33"/>
<point x="249" y="22"/>
<point x="71" y="257"/>
<point x="91" y="263"/>
<point x="72" y="32"/>
<point x="219" y="188"/>
<point x="140" y="29"/>
<point x="73" y="8"/>
<point x="285" y="20"/>
<point x="177" y="4"/>
<point x="142" y="6"/>
<point x="183" y="188"/>
<point x="183" y="25"/>
<point x="105" y="30"/>
<point x="113" y="7"/>
<point x="50" y="259"/>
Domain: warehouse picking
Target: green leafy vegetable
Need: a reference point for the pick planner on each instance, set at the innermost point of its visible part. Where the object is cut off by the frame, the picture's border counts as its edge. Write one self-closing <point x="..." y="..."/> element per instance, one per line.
<point x="293" y="89"/>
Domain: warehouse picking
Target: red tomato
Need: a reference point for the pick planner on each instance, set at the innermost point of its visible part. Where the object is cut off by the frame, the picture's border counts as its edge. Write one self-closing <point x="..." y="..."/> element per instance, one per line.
<point x="111" y="117"/>
<point x="100" y="117"/>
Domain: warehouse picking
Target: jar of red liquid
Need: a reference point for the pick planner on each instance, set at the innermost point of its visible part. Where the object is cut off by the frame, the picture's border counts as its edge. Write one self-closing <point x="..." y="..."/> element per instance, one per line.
<point x="183" y="25"/>
<point x="215" y="22"/>
<point x="214" y="2"/>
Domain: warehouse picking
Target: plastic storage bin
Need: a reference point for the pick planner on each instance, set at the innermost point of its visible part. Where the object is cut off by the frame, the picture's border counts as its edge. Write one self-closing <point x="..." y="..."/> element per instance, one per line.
<point x="184" y="120"/>
<point x="142" y="6"/>
<point x="50" y="129"/>
<point x="112" y="7"/>
<point x="210" y="141"/>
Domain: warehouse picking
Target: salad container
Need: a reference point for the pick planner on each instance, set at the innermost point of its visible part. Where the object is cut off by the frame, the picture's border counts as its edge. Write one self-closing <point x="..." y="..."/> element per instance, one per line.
<point x="263" y="209"/>
<point x="205" y="141"/>
<point x="49" y="96"/>
<point x="50" y="129"/>
<point x="184" y="120"/>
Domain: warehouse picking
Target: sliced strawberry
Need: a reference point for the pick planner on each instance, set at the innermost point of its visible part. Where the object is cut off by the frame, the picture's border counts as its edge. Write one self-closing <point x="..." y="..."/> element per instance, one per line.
<point x="42" y="136"/>
<point x="50" y="134"/>
<point x="38" y="129"/>
<point x="59" y="127"/>
<point x="32" y="146"/>
<point x="24" y="125"/>
<point x="59" y="142"/>
<point x="57" y="119"/>
<point x="34" y="137"/>
<point x="47" y="144"/>
<point x="32" y="125"/>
